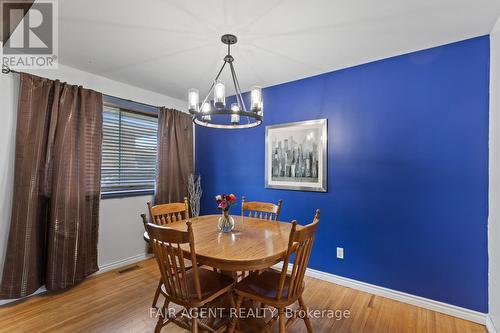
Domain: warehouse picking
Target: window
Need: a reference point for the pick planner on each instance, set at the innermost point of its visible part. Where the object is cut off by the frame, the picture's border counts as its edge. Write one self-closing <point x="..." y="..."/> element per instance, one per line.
<point x="128" y="152"/>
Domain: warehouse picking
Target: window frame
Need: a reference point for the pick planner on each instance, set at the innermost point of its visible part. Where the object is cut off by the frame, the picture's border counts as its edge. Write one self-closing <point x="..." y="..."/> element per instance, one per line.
<point x="132" y="107"/>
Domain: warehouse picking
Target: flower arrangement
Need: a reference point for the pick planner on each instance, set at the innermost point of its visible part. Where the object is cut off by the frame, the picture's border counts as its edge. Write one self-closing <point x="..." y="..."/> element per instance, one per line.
<point x="224" y="202"/>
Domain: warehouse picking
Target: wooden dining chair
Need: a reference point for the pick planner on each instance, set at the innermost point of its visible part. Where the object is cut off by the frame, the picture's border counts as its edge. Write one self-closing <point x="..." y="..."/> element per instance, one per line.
<point x="280" y="289"/>
<point x="169" y="213"/>
<point x="261" y="210"/>
<point x="190" y="289"/>
<point x="164" y="214"/>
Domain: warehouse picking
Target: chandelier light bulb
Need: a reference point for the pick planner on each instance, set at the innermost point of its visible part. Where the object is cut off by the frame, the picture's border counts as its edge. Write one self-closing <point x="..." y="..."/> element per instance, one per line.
<point x="235" y="118"/>
<point x="219" y="95"/>
<point x="193" y="99"/>
<point x="204" y="109"/>
<point x="256" y="98"/>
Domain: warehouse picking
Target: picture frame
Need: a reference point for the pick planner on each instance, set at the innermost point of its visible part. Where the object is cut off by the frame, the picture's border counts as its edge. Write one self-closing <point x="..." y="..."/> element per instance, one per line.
<point x="296" y="156"/>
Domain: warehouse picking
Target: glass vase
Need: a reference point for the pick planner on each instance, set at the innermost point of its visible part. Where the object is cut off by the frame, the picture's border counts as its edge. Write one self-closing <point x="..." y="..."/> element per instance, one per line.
<point x="226" y="222"/>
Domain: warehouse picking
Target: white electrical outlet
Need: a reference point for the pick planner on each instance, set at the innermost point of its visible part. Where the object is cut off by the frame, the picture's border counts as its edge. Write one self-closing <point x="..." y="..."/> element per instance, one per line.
<point x="340" y="253"/>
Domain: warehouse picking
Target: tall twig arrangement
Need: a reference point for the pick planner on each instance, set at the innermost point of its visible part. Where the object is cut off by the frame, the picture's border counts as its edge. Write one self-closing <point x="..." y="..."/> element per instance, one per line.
<point x="194" y="190"/>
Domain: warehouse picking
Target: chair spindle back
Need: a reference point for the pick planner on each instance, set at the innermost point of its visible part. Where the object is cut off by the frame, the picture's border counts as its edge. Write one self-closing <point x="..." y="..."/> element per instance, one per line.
<point x="169" y="213"/>
<point x="261" y="210"/>
<point x="301" y="243"/>
<point x="166" y="244"/>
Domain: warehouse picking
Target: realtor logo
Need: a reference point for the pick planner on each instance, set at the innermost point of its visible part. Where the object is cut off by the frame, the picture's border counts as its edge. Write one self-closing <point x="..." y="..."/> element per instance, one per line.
<point x="33" y="34"/>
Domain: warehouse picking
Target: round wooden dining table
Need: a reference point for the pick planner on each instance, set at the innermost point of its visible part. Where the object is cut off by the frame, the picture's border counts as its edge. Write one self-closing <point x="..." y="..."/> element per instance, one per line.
<point x="253" y="244"/>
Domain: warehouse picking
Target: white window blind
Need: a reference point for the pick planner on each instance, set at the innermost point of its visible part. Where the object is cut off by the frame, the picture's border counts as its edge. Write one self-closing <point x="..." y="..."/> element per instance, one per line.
<point x="128" y="151"/>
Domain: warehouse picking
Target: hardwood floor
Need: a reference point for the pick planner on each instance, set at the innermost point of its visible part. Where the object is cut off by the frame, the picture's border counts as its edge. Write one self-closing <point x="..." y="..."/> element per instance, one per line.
<point x="114" y="302"/>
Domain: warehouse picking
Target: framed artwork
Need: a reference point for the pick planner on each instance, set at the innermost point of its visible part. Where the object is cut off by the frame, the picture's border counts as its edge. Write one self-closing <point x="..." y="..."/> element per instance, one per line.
<point x="296" y="156"/>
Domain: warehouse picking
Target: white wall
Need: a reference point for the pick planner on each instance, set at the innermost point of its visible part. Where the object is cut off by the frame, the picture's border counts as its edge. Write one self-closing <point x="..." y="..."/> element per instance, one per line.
<point x="120" y="229"/>
<point x="9" y="88"/>
<point x="494" y="180"/>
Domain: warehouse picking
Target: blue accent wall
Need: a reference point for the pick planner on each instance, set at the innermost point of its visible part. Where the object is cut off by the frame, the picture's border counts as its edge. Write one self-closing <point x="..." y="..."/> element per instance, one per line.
<point x="407" y="170"/>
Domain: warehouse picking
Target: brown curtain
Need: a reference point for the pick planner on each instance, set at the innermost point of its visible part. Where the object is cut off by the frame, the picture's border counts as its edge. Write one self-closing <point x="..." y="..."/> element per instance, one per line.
<point x="175" y="155"/>
<point x="55" y="209"/>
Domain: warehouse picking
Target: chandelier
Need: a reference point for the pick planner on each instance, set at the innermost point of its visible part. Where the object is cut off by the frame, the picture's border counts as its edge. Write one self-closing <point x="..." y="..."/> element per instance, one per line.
<point x="216" y="113"/>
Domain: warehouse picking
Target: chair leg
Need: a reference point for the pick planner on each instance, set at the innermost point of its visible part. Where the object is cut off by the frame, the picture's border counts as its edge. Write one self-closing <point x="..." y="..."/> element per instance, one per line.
<point x="307" y="321"/>
<point x="165" y="313"/>
<point x="234" y="320"/>
<point x="159" y="325"/>
<point x="282" y="320"/>
<point x="157" y="294"/>
<point x="194" y="322"/>
<point x="162" y="318"/>
<point x="230" y="298"/>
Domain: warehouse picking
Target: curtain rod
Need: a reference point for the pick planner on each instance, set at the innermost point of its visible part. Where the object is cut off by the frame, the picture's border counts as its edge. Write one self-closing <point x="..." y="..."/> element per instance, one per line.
<point x="7" y="70"/>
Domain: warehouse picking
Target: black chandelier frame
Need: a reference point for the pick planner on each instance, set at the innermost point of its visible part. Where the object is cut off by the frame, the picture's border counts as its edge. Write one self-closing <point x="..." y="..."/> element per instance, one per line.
<point x="254" y="116"/>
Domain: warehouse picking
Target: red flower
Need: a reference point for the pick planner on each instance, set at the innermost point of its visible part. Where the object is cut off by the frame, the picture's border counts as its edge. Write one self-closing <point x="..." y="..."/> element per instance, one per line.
<point x="232" y="198"/>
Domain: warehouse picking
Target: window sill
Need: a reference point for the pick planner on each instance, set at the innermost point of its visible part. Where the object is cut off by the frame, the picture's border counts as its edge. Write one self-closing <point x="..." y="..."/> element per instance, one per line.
<point x="126" y="194"/>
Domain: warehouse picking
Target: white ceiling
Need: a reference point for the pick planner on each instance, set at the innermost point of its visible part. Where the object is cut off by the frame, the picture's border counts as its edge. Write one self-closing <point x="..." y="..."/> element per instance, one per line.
<point x="169" y="46"/>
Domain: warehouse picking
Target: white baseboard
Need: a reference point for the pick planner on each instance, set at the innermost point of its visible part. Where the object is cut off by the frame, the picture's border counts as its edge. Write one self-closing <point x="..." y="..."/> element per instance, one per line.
<point x="490" y="326"/>
<point x="452" y="310"/>
<point x="40" y="290"/>
<point x="123" y="262"/>
<point x="102" y="269"/>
